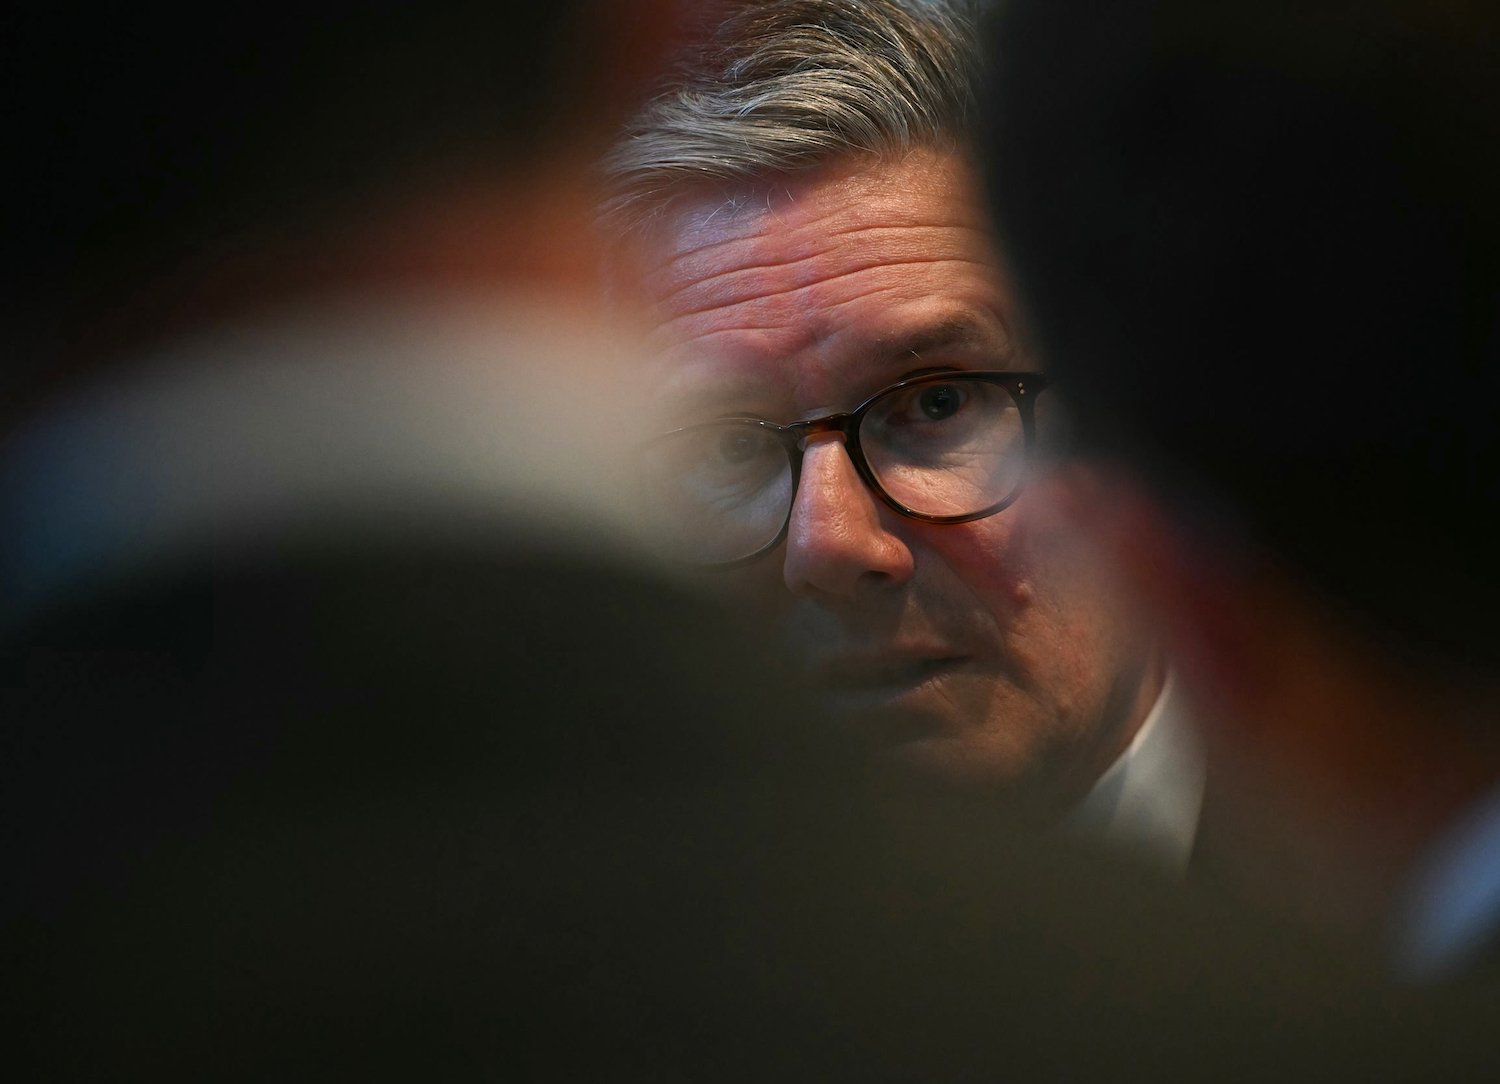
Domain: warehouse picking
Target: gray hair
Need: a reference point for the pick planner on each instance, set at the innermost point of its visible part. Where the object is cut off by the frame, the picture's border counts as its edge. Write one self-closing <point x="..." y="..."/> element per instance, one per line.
<point x="782" y="86"/>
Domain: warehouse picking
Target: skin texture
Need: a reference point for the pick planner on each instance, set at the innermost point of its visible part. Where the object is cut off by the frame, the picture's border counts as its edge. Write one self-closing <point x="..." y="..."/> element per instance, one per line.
<point x="994" y="654"/>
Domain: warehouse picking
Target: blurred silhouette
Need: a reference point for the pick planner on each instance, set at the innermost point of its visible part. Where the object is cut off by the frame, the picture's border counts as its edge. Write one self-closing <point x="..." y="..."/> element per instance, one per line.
<point x="256" y="826"/>
<point x="1261" y="247"/>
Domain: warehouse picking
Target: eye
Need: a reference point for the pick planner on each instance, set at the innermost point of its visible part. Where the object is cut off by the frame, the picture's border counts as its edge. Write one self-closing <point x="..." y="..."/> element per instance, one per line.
<point x="740" y="446"/>
<point x="925" y="405"/>
<point x="940" y="401"/>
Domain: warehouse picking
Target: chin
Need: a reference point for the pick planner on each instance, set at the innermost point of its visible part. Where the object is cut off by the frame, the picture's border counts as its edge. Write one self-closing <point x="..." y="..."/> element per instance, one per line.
<point x="947" y="759"/>
<point x="950" y="766"/>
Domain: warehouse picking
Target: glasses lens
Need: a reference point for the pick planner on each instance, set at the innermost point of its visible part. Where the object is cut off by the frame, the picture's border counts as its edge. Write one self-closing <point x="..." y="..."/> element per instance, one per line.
<point x="946" y="447"/>
<point x="722" y="491"/>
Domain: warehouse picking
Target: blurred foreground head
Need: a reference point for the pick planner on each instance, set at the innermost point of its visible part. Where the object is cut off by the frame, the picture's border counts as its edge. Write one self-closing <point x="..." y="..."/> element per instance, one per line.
<point x="173" y="168"/>
<point x="1265" y="247"/>
<point x="1261" y="247"/>
<point x="274" y="262"/>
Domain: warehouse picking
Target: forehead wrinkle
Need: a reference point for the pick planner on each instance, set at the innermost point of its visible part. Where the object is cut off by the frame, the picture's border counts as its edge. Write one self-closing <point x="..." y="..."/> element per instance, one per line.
<point x="908" y="290"/>
<point x="789" y="340"/>
<point x="714" y="288"/>
<point x="758" y="309"/>
<point x="697" y="266"/>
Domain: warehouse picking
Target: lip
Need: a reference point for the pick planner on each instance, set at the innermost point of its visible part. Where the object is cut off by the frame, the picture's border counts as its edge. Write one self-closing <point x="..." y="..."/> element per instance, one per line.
<point x="870" y="682"/>
<point x="889" y="699"/>
<point x="861" y="672"/>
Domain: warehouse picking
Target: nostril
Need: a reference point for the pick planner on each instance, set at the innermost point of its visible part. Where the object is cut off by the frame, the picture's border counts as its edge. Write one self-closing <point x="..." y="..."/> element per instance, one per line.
<point x="874" y="580"/>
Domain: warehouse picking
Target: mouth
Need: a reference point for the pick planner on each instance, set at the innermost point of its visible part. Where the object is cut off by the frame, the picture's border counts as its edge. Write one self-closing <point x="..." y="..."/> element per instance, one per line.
<point x="894" y="703"/>
<point x="875" y="675"/>
<point x="899" y="686"/>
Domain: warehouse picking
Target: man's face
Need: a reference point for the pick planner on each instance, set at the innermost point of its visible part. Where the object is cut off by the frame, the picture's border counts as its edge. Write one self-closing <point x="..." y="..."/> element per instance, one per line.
<point x="989" y="653"/>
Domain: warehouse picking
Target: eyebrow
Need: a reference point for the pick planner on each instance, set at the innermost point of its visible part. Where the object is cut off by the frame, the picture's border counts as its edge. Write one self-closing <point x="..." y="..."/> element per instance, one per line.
<point x="960" y="330"/>
<point x="885" y="354"/>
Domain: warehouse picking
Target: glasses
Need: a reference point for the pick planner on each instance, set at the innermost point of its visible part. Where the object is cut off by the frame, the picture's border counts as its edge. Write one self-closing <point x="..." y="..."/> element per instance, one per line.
<point x="940" y="448"/>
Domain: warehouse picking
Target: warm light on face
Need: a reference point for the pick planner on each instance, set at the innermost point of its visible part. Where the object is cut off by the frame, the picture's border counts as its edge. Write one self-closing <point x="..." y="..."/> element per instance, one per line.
<point x="991" y="651"/>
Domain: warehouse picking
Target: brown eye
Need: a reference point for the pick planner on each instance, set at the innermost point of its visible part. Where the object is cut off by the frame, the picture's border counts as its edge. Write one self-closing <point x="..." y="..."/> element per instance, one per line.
<point x="940" y="401"/>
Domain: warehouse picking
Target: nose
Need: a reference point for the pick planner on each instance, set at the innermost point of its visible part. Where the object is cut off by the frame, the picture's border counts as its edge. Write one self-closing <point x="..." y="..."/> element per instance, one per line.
<point x="837" y="541"/>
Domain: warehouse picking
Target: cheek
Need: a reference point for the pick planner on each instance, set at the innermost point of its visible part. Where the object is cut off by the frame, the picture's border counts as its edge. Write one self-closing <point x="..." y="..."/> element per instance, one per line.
<point x="1058" y="613"/>
<point x="1065" y="560"/>
<point x="1079" y="605"/>
<point x="991" y="559"/>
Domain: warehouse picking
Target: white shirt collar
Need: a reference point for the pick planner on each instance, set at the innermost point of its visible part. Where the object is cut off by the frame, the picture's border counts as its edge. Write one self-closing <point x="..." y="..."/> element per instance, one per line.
<point x="1148" y="800"/>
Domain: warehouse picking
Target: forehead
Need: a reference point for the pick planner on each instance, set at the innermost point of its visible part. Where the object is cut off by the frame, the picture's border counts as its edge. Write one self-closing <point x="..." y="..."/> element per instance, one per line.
<point x="809" y="290"/>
